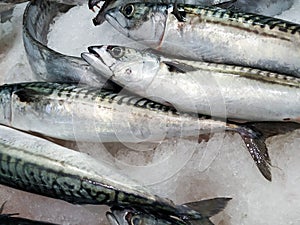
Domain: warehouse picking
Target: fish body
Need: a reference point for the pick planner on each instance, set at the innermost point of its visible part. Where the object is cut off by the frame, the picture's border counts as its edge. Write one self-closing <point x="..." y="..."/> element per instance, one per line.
<point x="129" y="216"/>
<point x="36" y="165"/>
<point x="109" y="4"/>
<point x="212" y="89"/>
<point x="212" y="34"/>
<point x="264" y="7"/>
<point x="81" y="113"/>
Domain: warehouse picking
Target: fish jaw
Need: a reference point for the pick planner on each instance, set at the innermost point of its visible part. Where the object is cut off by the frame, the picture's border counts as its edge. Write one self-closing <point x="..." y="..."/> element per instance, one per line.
<point x="99" y="65"/>
<point x="147" y="25"/>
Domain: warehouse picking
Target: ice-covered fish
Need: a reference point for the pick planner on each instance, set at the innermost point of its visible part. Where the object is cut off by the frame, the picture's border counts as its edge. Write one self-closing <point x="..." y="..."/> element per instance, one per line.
<point x="213" y="89"/>
<point x="212" y="34"/>
<point x="36" y="165"/>
<point x="83" y="113"/>
<point x="208" y="208"/>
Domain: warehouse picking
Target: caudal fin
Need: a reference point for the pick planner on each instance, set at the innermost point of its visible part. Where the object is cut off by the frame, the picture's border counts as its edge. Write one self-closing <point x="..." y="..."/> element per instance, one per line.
<point x="209" y="207"/>
<point x="255" y="134"/>
<point x="204" y="208"/>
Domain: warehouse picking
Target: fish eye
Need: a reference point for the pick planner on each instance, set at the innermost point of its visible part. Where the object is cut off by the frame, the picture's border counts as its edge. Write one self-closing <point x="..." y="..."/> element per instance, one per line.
<point x="117" y="52"/>
<point x="135" y="220"/>
<point x="128" y="10"/>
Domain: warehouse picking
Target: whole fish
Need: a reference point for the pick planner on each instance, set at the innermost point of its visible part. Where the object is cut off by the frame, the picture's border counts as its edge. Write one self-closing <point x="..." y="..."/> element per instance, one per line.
<point x="264" y="7"/>
<point x="84" y="113"/>
<point x="47" y="64"/>
<point x="11" y="219"/>
<point x="108" y="4"/>
<point x="36" y="165"/>
<point x="212" y="34"/>
<point x="208" y="88"/>
<point x="129" y="216"/>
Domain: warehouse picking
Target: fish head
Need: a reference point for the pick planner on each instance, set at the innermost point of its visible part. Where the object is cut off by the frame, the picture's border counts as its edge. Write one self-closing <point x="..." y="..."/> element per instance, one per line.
<point x="134" y="217"/>
<point x="143" y="22"/>
<point x="129" y="67"/>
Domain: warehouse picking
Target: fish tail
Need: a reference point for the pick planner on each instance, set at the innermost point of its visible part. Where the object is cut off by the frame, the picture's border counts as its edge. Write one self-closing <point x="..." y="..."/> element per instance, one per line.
<point x="255" y="134"/>
<point x="202" y="210"/>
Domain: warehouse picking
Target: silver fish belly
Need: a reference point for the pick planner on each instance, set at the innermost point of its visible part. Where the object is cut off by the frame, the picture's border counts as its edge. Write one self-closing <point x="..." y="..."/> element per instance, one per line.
<point x="212" y="34"/>
<point x="218" y="90"/>
<point x="33" y="164"/>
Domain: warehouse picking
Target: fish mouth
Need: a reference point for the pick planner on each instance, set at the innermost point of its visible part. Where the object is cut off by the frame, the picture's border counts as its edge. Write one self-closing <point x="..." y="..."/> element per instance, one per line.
<point x="93" y="58"/>
<point x="92" y="51"/>
<point x="118" y="24"/>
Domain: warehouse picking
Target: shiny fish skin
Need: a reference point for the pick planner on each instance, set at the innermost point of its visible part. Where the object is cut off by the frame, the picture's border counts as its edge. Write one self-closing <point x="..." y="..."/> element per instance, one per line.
<point x="42" y="167"/>
<point x="82" y="113"/>
<point x="213" y="89"/>
<point x="85" y="113"/>
<point x="212" y="34"/>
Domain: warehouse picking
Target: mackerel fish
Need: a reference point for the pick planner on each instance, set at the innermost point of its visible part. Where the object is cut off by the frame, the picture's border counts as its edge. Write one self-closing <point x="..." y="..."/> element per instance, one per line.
<point x="108" y="4"/>
<point x="36" y="165"/>
<point x="119" y="216"/>
<point x="213" y="89"/>
<point x="83" y="113"/>
<point x="212" y="34"/>
<point x="264" y="7"/>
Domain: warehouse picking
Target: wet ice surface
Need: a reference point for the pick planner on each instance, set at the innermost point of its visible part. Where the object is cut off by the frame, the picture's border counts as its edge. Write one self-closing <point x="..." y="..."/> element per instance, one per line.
<point x="181" y="170"/>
